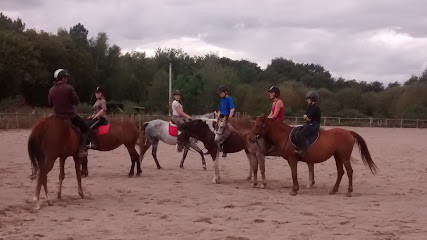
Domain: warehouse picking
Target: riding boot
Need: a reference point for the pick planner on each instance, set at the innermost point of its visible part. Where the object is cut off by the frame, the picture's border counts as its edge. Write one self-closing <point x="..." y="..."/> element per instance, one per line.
<point x="82" y="147"/>
<point x="224" y="153"/>
<point x="91" y="140"/>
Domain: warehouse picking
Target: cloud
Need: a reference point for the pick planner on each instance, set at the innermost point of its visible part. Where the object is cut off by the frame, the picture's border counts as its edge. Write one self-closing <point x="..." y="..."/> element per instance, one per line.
<point x="366" y="40"/>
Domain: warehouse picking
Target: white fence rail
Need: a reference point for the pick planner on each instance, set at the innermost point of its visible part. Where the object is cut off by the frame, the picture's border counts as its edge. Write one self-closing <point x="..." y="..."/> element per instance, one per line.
<point x="27" y="120"/>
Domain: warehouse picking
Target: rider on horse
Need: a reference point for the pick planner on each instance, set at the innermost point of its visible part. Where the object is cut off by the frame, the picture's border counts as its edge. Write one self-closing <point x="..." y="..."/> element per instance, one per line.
<point x="277" y="109"/>
<point x="226" y="108"/>
<point x="178" y="114"/>
<point x="63" y="97"/>
<point x="312" y="123"/>
<point x="98" y="117"/>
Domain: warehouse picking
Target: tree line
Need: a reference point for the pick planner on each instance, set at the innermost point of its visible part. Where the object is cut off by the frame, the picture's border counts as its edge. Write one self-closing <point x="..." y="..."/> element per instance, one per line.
<point x="29" y="57"/>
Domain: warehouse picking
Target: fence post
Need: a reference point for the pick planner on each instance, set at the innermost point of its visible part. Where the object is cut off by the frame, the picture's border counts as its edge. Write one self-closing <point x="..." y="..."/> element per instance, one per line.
<point x="296" y="120"/>
<point x="339" y="121"/>
<point x="401" y="123"/>
<point x="417" y="122"/>
<point x="17" y="120"/>
<point x="370" y="122"/>
<point x="324" y="121"/>
<point x="386" y="122"/>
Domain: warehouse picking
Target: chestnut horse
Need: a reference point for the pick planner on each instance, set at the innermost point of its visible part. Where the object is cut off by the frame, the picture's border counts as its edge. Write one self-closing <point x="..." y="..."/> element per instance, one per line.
<point x="335" y="142"/>
<point x="121" y="132"/>
<point x="55" y="137"/>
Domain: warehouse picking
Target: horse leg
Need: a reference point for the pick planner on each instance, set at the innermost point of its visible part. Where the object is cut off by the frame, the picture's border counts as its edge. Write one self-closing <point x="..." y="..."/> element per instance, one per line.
<point x="38" y="187"/>
<point x="262" y="169"/>
<point x="215" y="158"/>
<point x="154" y="153"/>
<point x="195" y="147"/>
<point x="349" y="170"/>
<point x="293" y="165"/>
<point x="48" y="168"/>
<point x="77" y="163"/>
<point x="46" y="192"/>
<point x="340" y="173"/>
<point x="135" y="159"/>
<point x="61" y="175"/>
<point x="184" y="155"/>
<point x="141" y="155"/>
<point x="253" y="167"/>
<point x="311" y="174"/>
<point x="85" y="171"/>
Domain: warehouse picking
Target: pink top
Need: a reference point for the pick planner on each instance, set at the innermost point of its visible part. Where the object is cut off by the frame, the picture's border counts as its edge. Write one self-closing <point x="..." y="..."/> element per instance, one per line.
<point x="281" y="114"/>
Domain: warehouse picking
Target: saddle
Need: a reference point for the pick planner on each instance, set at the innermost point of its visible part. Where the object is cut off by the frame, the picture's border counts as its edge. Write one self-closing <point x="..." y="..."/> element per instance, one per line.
<point x="173" y="129"/>
<point x="296" y="137"/>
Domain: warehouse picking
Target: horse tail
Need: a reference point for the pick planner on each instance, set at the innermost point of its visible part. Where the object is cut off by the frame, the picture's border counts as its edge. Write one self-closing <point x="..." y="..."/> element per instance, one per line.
<point x="364" y="152"/>
<point x="142" y="139"/>
<point x="144" y="125"/>
<point x="34" y="148"/>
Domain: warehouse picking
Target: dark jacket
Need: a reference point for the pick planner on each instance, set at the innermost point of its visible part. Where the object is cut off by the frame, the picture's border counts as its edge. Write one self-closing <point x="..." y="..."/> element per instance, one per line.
<point x="63" y="98"/>
<point x="313" y="112"/>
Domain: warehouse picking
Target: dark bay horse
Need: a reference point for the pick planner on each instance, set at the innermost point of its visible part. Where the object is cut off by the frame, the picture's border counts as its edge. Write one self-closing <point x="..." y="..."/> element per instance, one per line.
<point x="238" y="140"/>
<point x="122" y="132"/>
<point x="335" y="142"/>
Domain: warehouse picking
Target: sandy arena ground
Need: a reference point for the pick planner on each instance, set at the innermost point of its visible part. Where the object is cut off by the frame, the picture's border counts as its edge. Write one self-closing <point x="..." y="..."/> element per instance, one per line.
<point x="176" y="203"/>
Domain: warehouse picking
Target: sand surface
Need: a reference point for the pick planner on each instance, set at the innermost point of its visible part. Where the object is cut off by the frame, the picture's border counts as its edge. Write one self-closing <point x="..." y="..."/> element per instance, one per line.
<point x="176" y="203"/>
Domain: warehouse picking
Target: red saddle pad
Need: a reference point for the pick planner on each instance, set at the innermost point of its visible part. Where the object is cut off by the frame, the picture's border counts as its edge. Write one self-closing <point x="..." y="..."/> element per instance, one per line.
<point x="104" y="129"/>
<point x="173" y="129"/>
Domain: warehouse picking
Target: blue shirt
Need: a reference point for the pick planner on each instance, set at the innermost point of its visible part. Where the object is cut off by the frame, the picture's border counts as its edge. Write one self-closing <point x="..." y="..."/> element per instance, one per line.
<point x="226" y="105"/>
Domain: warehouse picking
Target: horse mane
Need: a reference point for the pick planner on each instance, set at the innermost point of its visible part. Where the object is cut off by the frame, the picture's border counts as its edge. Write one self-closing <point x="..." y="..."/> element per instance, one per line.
<point x="241" y="124"/>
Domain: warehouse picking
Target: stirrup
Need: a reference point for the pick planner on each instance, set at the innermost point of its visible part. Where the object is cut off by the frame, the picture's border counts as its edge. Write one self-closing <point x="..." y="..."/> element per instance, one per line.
<point x="91" y="145"/>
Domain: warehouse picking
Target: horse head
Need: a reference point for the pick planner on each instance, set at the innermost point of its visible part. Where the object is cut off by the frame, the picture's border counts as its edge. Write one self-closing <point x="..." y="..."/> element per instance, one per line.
<point x="259" y="128"/>
<point x="222" y="132"/>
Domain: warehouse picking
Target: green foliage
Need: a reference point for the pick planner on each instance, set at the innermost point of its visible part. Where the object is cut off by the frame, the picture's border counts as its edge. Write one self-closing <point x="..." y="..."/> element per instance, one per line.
<point x="29" y="57"/>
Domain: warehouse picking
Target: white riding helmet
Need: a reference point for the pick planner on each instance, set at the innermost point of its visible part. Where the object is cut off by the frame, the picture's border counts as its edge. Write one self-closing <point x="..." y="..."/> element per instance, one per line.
<point x="59" y="74"/>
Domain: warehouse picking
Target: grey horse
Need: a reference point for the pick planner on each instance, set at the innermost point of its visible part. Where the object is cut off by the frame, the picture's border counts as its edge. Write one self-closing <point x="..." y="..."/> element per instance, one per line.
<point x="158" y="130"/>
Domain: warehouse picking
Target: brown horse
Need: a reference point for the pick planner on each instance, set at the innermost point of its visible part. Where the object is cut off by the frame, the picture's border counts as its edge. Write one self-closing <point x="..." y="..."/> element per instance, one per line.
<point x="55" y="137"/>
<point x="237" y="140"/>
<point x="335" y="142"/>
<point x="122" y="132"/>
<point x="51" y="138"/>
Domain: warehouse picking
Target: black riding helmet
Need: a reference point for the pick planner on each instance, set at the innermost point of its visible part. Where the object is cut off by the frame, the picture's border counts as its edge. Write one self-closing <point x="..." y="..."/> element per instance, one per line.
<point x="313" y="95"/>
<point x="177" y="92"/>
<point x="276" y="91"/>
<point x="100" y="90"/>
<point x="222" y="88"/>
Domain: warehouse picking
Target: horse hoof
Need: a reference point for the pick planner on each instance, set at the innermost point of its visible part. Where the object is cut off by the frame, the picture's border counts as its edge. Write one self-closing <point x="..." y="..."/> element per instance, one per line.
<point x="332" y="192"/>
<point x="59" y="195"/>
<point x="215" y="180"/>
<point x="348" y="194"/>
<point x="293" y="193"/>
<point x="138" y="174"/>
<point x="49" y="203"/>
<point x="84" y="175"/>
<point x="204" y="168"/>
<point x="182" y="167"/>
<point x="254" y="185"/>
<point x="249" y="178"/>
<point x="264" y="185"/>
<point x="37" y="206"/>
<point x="159" y="168"/>
<point x="130" y="175"/>
<point x="82" y="195"/>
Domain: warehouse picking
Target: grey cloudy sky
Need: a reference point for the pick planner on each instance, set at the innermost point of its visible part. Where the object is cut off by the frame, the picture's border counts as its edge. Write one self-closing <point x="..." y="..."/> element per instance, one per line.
<point x="381" y="40"/>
